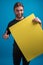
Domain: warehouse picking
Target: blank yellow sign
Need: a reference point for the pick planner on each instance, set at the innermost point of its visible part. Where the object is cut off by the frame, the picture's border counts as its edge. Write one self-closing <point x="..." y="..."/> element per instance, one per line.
<point x="29" y="37"/>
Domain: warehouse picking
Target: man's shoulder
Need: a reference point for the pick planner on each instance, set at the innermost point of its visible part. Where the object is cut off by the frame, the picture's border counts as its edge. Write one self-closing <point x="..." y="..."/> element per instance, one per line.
<point x="12" y="22"/>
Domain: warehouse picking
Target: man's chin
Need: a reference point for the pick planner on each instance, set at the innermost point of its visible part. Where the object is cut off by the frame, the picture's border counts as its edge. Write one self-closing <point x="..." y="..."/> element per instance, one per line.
<point x="19" y="16"/>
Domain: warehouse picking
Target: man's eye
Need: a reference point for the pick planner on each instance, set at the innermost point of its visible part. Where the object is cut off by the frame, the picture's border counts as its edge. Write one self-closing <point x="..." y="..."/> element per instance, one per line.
<point x="21" y="10"/>
<point x="17" y="10"/>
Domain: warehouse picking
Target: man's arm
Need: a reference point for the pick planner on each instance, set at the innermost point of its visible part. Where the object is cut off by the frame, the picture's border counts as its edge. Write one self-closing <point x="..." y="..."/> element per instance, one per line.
<point x="7" y="33"/>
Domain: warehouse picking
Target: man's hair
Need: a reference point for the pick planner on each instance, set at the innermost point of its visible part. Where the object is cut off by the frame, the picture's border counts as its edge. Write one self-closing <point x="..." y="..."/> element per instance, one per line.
<point x="17" y="5"/>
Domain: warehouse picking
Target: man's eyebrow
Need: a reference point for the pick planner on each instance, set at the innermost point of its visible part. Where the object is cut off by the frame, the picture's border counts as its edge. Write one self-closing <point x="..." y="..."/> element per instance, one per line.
<point x="18" y="10"/>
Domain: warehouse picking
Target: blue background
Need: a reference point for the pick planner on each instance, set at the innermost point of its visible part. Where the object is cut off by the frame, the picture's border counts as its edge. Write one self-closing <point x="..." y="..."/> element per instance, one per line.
<point x="6" y="15"/>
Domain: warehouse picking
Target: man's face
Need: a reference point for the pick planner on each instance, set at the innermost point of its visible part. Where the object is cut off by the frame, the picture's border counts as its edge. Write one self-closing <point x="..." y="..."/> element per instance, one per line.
<point x="19" y="11"/>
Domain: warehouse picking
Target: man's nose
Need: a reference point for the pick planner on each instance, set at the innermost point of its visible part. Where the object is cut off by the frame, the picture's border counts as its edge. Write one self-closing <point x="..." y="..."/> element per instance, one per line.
<point x="19" y="12"/>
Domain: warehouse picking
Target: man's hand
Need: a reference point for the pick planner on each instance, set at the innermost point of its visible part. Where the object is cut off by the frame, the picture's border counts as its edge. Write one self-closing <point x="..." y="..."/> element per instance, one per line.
<point x="5" y="36"/>
<point x="37" y="20"/>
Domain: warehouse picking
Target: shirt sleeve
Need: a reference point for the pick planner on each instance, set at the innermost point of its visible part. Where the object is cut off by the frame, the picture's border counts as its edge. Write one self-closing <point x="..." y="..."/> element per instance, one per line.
<point x="8" y="31"/>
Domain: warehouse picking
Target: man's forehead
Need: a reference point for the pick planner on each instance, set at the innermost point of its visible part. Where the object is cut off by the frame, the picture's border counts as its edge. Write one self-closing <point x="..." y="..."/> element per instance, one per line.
<point x="18" y="8"/>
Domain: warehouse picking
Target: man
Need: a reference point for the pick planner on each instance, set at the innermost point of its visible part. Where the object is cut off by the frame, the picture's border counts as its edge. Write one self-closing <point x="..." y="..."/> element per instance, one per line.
<point x="17" y="54"/>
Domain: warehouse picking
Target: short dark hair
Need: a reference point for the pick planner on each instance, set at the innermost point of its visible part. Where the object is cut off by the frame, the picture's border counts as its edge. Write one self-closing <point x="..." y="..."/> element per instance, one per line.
<point x="17" y="5"/>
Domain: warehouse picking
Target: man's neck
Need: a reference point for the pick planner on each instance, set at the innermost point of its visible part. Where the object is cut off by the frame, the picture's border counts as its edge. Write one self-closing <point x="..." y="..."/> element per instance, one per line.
<point x="19" y="18"/>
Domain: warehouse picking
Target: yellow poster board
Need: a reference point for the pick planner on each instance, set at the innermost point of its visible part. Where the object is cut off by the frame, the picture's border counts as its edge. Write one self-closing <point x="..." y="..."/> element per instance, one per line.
<point x="29" y="37"/>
